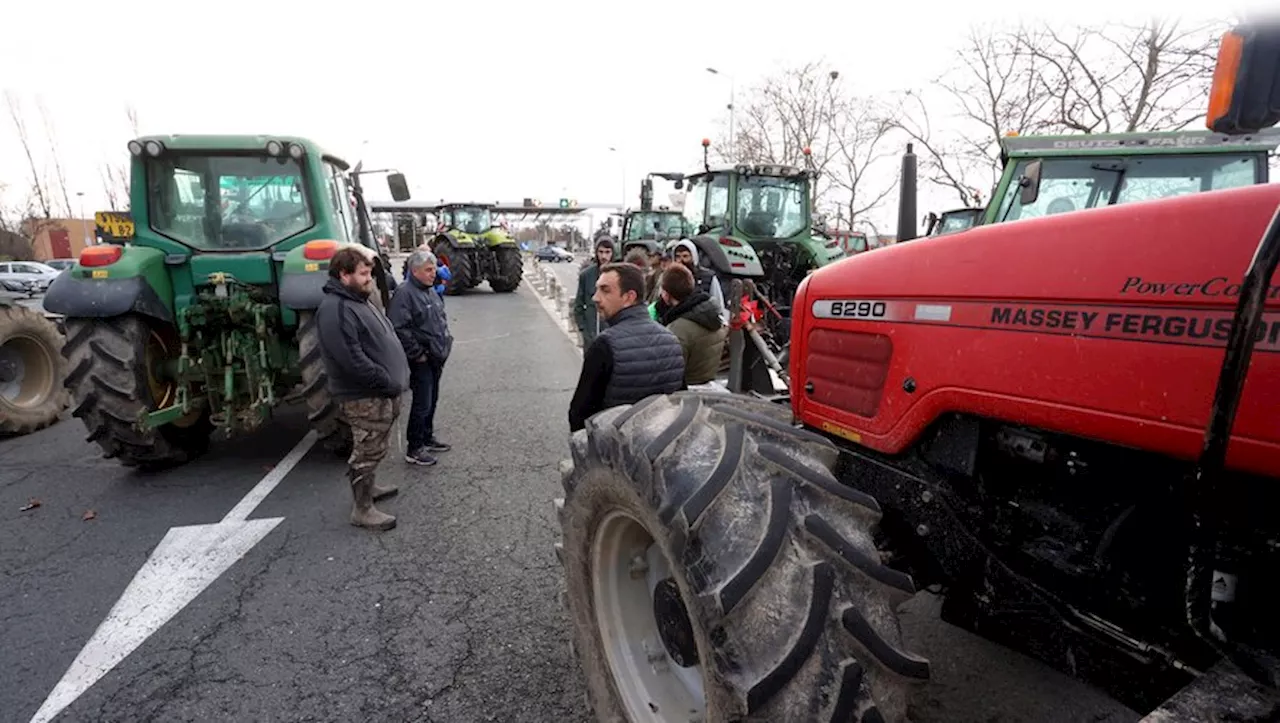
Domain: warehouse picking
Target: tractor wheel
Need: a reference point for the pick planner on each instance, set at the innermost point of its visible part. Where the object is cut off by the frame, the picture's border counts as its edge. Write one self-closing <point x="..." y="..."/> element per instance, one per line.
<point x="116" y="376"/>
<point x="323" y="412"/>
<point x="32" y="371"/>
<point x="717" y="571"/>
<point x="510" y="270"/>
<point x="462" y="269"/>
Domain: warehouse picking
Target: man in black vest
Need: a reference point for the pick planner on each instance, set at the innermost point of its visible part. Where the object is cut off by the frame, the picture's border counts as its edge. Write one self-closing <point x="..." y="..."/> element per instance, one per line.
<point x="633" y="358"/>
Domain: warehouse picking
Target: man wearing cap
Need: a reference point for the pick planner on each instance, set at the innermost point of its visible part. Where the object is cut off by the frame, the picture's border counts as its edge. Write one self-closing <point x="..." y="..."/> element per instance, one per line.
<point x="584" y="309"/>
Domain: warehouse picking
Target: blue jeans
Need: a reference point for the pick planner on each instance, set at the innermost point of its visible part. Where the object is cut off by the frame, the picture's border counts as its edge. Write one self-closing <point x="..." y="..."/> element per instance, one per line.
<point x="424" y="383"/>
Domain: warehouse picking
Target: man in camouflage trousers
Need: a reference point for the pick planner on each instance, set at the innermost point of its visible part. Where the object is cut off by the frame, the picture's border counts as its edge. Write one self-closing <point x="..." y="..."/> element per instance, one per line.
<point x="367" y="373"/>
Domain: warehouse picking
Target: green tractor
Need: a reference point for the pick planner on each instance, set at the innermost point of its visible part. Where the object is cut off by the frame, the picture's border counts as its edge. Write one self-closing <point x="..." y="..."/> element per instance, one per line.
<point x="200" y="316"/>
<point x="31" y="370"/>
<point x="1045" y="175"/>
<point x="652" y="228"/>
<point x="475" y="249"/>
<point x="754" y="223"/>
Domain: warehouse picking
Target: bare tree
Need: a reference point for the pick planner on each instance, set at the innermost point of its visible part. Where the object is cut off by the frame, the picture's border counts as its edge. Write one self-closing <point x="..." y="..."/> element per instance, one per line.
<point x="38" y="188"/>
<point x="1036" y="78"/>
<point x="61" y="177"/>
<point x="807" y="107"/>
<point x="1124" y="78"/>
<point x="860" y="128"/>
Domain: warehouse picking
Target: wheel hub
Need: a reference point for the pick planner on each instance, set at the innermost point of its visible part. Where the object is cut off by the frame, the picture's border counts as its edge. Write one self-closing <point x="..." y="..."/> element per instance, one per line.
<point x="673" y="624"/>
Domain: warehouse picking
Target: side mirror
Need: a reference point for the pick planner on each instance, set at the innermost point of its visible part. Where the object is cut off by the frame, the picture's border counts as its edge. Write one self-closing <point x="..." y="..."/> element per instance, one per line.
<point x="1030" y="184"/>
<point x="1245" y="95"/>
<point x="399" y="187"/>
<point x="679" y="183"/>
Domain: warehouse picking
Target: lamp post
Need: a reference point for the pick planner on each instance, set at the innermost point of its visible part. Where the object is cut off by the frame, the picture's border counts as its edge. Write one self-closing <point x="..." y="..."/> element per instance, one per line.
<point x="732" y="139"/>
<point x="622" y="161"/>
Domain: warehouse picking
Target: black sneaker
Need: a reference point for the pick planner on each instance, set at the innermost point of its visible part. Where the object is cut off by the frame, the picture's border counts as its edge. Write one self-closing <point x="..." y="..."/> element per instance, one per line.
<point x="436" y="445"/>
<point x="420" y="457"/>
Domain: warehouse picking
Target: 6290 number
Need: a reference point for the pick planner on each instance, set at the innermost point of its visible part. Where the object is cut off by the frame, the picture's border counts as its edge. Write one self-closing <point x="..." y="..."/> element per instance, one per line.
<point x="850" y="309"/>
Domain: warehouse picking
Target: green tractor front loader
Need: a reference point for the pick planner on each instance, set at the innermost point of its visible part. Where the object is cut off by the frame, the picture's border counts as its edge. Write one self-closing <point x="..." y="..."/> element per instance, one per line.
<point x="201" y="318"/>
<point x="475" y="249"/>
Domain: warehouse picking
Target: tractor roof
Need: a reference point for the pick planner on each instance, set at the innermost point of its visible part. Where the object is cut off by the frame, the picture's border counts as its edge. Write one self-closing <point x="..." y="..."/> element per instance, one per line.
<point x="756" y="169"/>
<point x="179" y="142"/>
<point x="1110" y="144"/>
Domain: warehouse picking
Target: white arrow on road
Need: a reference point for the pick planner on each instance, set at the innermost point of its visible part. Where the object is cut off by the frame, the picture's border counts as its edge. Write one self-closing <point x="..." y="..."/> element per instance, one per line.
<point x="185" y="562"/>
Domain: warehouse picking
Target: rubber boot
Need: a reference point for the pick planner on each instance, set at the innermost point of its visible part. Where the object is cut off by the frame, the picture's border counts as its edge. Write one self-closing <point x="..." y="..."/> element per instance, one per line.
<point x="363" y="513"/>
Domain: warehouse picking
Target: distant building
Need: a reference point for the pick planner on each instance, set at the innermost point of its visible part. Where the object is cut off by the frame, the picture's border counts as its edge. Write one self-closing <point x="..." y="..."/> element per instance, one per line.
<point x="58" y="238"/>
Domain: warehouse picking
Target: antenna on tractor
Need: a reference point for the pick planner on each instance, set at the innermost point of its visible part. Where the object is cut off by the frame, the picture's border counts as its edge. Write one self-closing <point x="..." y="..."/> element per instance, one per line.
<point x="706" y="148"/>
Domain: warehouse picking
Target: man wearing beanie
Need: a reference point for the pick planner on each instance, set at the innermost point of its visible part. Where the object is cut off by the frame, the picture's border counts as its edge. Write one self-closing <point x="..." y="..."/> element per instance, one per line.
<point x="584" y="309"/>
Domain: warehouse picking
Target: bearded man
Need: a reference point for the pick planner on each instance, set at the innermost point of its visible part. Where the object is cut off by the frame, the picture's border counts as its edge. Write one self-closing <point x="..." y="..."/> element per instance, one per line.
<point x="367" y="374"/>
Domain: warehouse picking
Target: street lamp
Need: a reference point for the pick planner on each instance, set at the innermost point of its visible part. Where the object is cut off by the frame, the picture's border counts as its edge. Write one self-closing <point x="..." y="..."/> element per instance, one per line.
<point x="622" y="160"/>
<point x="732" y="140"/>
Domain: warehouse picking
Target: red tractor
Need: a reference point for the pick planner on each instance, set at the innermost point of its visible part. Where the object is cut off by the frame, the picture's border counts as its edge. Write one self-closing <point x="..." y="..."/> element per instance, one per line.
<point x="1069" y="424"/>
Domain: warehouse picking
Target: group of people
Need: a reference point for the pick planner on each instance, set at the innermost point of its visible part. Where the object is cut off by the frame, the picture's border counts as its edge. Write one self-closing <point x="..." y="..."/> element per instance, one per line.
<point x="372" y="358"/>
<point x="651" y="324"/>
<point x="655" y="324"/>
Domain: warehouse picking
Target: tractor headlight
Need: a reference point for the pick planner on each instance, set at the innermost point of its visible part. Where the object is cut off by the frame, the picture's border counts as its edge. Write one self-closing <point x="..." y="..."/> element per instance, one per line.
<point x="135" y="148"/>
<point x="274" y="148"/>
<point x="295" y="151"/>
<point x="154" y="149"/>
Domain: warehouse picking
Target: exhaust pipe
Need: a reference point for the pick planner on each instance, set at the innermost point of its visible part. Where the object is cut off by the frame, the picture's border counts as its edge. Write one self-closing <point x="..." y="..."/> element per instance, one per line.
<point x="907" y="198"/>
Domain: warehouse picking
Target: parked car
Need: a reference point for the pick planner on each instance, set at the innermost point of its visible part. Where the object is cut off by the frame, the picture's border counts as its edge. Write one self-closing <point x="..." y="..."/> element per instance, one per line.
<point x="26" y="277"/>
<point x="59" y="264"/>
<point x="553" y="254"/>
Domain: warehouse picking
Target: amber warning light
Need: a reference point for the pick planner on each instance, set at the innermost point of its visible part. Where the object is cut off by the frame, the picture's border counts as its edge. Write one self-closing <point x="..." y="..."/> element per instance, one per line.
<point x="1245" y="95"/>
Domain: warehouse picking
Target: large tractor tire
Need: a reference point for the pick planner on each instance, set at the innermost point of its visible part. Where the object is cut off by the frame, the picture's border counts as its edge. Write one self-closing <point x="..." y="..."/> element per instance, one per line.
<point x="32" y="371"/>
<point x="717" y="571"/>
<point x="510" y="269"/>
<point x="462" y="270"/>
<point x="115" y="376"/>
<point x="323" y="412"/>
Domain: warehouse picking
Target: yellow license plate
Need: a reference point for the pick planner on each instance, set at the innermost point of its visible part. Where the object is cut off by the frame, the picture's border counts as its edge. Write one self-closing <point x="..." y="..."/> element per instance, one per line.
<point x="313" y="267"/>
<point x="100" y="273"/>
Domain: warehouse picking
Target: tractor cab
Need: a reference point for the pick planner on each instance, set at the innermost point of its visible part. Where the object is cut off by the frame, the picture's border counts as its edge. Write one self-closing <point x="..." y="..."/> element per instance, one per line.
<point x="1048" y="175"/>
<point x="469" y="218"/>
<point x="957" y="219"/>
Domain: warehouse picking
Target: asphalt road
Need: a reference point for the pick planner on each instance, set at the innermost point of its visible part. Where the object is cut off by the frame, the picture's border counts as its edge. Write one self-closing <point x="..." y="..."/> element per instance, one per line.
<point x="452" y="616"/>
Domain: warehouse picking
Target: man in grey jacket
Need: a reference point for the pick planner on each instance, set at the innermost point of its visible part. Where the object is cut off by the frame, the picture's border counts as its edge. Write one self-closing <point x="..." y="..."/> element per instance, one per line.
<point x="417" y="313"/>
<point x="367" y="374"/>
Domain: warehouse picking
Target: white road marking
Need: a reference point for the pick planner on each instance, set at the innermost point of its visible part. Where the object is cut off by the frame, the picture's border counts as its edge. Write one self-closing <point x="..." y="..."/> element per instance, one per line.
<point x="185" y="562"/>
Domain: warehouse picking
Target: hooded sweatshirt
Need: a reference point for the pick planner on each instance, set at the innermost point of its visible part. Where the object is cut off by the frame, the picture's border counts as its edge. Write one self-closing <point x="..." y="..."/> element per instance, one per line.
<point x="696" y="323"/>
<point x="705" y="279"/>
<point x="584" y="309"/>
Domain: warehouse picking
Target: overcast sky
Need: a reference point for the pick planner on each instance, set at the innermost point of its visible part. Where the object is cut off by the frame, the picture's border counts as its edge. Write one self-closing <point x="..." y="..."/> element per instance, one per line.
<point x="485" y="100"/>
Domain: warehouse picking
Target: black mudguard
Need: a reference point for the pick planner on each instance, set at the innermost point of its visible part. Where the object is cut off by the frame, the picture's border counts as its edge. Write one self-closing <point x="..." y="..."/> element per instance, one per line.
<point x="74" y="296"/>
<point x="301" y="292"/>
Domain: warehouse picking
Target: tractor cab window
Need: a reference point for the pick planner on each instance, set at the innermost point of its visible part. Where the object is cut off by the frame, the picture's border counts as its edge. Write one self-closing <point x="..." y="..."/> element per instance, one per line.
<point x="470" y="219"/>
<point x="1073" y="184"/>
<point x="343" y="203"/>
<point x="224" y="202"/>
<point x="647" y="224"/>
<point x="771" y="207"/>
<point x="707" y="201"/>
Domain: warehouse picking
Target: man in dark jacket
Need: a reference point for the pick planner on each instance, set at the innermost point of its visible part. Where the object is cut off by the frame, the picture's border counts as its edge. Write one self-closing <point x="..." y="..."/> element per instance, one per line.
<point x="633" y="358"/>
<point x="367" y="374"/>
<point x="584" y="311"/>
<point x="695" y="320"/>
<point x="417" y="313"/>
